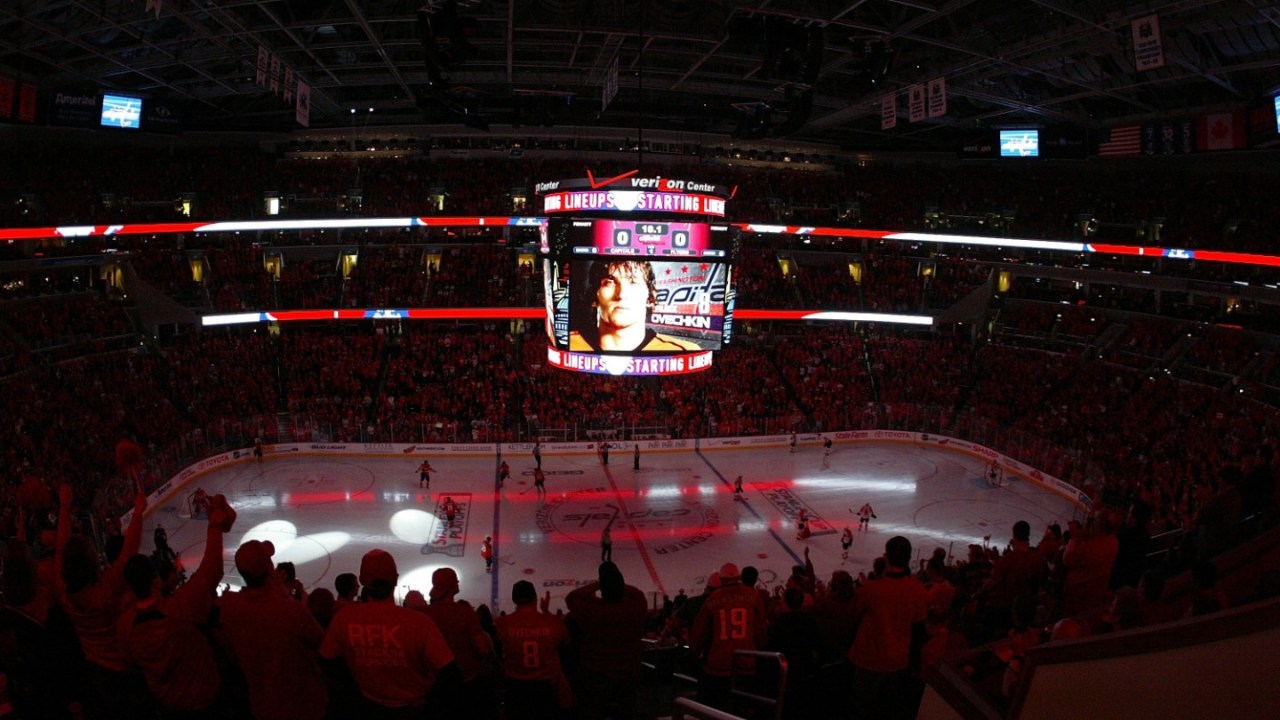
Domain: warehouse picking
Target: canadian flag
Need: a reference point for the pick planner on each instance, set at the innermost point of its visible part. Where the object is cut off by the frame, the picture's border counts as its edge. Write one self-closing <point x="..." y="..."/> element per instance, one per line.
<point x="1222" y="131"/>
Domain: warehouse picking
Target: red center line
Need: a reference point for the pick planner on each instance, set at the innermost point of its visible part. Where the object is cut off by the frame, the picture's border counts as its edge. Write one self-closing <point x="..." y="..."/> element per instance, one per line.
<point x="635" y="536"/>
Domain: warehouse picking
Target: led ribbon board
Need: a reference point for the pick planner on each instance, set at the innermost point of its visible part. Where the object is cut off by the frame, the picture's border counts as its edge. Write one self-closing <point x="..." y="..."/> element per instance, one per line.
<point x="629" y="364"/>
<point x="626" y="201"/>
<point x="631" y="192"/>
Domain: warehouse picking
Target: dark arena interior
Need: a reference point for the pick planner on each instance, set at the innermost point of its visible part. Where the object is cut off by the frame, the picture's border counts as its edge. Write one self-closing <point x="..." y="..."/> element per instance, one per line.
<point x="1005" y="272"/>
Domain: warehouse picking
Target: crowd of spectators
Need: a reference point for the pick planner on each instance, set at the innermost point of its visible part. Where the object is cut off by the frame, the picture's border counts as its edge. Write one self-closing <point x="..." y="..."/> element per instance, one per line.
<point x="1032" y="201"/>
<point x="448" y="386"/>
<point x="129" y="635"/>
<point x="831" y="285"/>
<point x="1223" y="351"/>
<point x="73" y="319"/>
<point x="214" y="377"/>
<point x="1142" y="344"/>
<point x="386" y="276"/>
<point x="481" y="276"/>
<point x="1099" y="396"/>
<point x="761" y="282"/>
<point x="362" y="382"/>
<point x="311" y="283"/>
<point x="552" y="399"/>
<point x="747" y="397"/>
<point x="333" y="378"/>
<point x="169" y="271"/>
<point x="826" y="362"/>
<point x="1037" y="374"/>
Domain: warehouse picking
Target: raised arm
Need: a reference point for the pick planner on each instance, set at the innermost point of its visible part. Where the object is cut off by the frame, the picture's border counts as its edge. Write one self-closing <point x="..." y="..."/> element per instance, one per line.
<point x="577" y="596"/>
<point x="133" y="534"/>
<point x="64" y="527"/>
<point x="211" y="571"/>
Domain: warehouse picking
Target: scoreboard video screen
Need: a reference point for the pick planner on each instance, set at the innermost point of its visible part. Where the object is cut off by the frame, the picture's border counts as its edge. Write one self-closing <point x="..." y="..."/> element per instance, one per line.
<point x="121" y="111"/>
<point x="639" y="287"/>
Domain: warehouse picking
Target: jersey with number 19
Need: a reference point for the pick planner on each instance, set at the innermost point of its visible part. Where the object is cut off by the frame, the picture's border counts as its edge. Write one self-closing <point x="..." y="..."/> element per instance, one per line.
<point x="732" y="619"/>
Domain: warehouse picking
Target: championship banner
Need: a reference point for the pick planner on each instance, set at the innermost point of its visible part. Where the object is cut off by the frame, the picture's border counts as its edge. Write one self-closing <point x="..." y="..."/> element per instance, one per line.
<point x="916" y="103"/>
<point x="610" y="89"/>
<point x="889" y="112"/>
<point x="288" y="84"/>
<point x="302" y="106"/>
<point x="1148" y="48"/>
<point x="7" y="87"/>
<point x="27" y="102"/>
<point x="1263" y="122"/>
<point x="274" y="79"/>
<point x="937" y="97"/>
<point x="260" y="75"/>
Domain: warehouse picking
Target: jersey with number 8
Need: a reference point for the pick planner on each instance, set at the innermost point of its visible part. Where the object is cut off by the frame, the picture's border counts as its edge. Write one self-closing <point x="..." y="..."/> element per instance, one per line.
<point x="531" y="644"/>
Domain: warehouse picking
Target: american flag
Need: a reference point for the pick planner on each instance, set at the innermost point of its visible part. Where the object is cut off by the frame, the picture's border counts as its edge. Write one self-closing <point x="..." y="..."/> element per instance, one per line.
<point x="1124" y="140"/>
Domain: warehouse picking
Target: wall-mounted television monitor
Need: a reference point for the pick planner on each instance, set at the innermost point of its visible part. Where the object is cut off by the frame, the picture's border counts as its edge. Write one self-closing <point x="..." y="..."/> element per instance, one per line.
<point x="121" y="111"/>
<point x="1019" y="143"/>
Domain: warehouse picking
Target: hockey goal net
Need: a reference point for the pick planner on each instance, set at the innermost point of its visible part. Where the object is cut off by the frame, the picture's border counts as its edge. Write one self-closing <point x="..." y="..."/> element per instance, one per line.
<point x="194" y="505"/>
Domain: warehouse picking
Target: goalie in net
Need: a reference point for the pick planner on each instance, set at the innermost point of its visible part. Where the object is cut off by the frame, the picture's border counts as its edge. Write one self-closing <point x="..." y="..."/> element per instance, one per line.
<point x="196" y="505"/>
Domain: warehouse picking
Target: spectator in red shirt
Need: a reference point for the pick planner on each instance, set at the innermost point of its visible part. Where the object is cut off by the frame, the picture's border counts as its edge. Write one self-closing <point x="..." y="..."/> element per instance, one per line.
<point x="274" y="640"/>
<point x="1087" y="559"/>
<point x="164" y="636"/>
<point x="732" y="618"/>
<point x="892" y="610"/>
<point x="1015" y="574"/>
<point x="796" y="634"/>
<point x="531" y="639"/>
<point x="471" y="646"/>
<point x="609" y="619"/>
<point x="396" y="656"/>
<point x="93" y="599"/>
<point x="42" y="655"/>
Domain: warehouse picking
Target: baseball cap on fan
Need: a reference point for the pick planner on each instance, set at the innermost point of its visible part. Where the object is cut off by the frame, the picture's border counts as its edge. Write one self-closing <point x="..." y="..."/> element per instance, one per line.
<point x="253" y="559"/>
<point x="378" y="566"/>
<point x="729" y="573"/>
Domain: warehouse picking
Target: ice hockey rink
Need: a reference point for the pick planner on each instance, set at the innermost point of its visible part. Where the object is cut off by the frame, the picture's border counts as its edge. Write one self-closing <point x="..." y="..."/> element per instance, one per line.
<point x="673" y="521"/>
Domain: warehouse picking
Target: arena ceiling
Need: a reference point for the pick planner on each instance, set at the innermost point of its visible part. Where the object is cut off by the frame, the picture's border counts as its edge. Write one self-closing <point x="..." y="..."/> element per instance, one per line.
<point x="812" y="70"/>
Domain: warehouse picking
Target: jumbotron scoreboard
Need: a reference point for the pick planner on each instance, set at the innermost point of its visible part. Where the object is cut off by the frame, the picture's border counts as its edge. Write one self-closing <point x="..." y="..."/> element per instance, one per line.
<point x="666" y="233"/>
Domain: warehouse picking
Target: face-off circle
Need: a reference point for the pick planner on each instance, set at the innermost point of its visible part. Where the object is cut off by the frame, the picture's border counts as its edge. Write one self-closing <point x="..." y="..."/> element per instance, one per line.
<point x="663" y="527"/>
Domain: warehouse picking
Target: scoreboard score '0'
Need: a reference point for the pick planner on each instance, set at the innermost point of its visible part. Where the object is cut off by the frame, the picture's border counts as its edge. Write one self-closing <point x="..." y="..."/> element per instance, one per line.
<point x="651" y="238"/>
